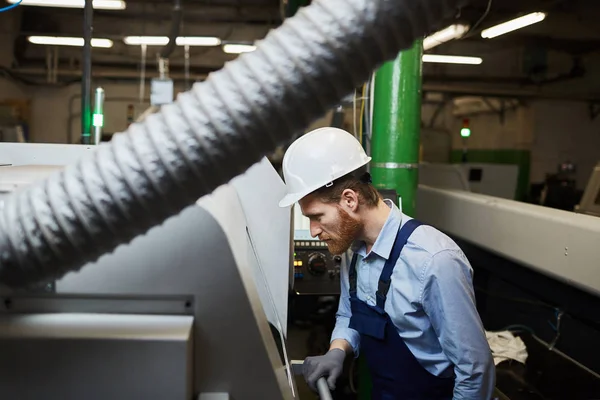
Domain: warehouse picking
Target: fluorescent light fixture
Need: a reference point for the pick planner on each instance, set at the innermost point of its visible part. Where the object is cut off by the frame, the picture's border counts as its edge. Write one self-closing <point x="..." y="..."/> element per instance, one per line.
<point x="180" y="41"/>
<point x="436" y="58"/>
<point x="198" y="41"/>
<point x="98" y="4"/>
<point x="147" y="40"/>
<point x="513" y="25"/>
<point x="68" y="41"/>
<point x="238" y="48"/>
<point x="445" y="35"/>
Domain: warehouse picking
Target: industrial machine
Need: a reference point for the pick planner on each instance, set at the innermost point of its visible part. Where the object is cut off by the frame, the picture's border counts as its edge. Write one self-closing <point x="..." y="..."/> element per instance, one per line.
<point x="554" y="242"/>
<point x="196" y="308"/>
<point x="498" y="180"/>
<point x="590" y="202"/>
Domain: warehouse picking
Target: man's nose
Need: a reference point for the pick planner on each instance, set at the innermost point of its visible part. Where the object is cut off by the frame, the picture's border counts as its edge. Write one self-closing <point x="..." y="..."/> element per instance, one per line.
<point x="315" y="229"/>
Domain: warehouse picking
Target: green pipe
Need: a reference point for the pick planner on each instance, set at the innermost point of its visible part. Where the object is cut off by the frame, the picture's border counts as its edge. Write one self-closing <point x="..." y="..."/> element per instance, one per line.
<point x="397" y="124"/>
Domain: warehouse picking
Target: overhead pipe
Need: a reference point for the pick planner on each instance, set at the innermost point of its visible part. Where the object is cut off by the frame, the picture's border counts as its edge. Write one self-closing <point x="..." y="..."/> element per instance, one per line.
<point x="211" y="134"/>
<point x="397" y="125"/>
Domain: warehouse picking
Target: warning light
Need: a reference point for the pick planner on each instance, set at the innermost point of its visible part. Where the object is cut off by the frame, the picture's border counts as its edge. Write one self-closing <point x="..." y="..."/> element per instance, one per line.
<point x="466" y="130"/>
<point x="98" y="120"/>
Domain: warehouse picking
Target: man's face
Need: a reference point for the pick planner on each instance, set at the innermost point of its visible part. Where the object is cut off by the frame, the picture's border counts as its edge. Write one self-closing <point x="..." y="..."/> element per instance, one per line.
<point x="331" y="223"/>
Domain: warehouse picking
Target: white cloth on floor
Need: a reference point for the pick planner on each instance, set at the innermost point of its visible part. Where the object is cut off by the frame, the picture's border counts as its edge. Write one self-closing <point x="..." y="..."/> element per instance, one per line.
<point x="506" y="346"/>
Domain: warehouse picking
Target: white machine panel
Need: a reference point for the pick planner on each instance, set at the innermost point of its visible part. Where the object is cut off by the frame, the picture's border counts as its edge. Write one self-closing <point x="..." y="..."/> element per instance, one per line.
<point x="562" y="244"/>
<point x="590" y="202"/>
<point x="269" y="228"/>
<point x="498" y="180"/>
<point x="268" y="224"/>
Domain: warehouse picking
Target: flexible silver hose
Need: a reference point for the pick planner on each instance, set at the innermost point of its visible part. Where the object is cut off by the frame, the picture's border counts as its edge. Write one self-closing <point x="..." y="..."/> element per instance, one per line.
<point x="208" y="136"/>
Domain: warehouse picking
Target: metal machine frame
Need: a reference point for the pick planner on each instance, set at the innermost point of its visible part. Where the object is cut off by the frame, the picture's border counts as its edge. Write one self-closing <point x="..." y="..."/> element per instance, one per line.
<point x="186" y="310"/>
<point x="561" y="244"/>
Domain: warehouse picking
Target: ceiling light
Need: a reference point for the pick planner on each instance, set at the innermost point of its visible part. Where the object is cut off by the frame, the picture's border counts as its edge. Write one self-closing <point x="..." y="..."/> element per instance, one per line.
<point x="436" y="58"/>
<point x="198" y="41"/>
<point x="98" y="4"/>
<point x="180" y="41"/>
<point x="69" y="41"/>
<point x="445" y="35"/>
<point x="238" y="48"/>
<point x="513" y="25"/>
<point x="147" y="40"/>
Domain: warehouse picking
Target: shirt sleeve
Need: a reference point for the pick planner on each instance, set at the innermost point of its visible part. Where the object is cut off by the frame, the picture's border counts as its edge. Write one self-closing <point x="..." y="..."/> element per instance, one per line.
<point x="449" y="300"/>
<point x="341" y="330"/>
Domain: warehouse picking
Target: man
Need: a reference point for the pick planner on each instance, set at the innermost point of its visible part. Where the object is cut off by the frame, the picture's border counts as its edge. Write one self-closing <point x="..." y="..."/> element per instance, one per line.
<point x="407" y="299"/>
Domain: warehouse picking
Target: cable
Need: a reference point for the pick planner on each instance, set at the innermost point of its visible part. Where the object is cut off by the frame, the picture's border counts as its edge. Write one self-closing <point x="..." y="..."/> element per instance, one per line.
<point x="362" y="112"/>
<point x="7" y="8"/>
<point x="485" y="14"/>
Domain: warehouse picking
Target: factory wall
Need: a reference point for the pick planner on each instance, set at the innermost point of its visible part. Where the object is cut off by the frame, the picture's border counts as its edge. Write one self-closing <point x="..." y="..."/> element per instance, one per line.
<point x="59" y="111"/>
<point x="537" y="136"/>
<point x="564" y="131"/>
<point x="494" y="139"/>
<point x="10" y="90"/>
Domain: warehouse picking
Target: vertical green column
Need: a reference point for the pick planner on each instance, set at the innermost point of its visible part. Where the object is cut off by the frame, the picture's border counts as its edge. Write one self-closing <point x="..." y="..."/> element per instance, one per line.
<point x="397" y="125"/>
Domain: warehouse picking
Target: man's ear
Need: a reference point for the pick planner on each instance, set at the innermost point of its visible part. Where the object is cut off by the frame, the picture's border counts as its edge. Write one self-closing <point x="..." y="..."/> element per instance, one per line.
<point x="349" y="200"/>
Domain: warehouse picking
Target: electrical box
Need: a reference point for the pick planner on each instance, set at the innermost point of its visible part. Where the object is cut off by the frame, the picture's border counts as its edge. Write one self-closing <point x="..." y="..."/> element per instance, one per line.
<point x="161" y="92"/>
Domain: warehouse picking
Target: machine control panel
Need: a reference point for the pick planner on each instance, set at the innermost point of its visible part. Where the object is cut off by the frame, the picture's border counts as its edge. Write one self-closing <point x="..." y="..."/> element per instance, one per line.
<point x="316" y="270"/>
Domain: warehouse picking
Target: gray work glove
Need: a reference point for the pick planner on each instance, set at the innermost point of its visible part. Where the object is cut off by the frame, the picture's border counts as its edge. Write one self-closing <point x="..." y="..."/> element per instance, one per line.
<point x="329" y="365"/>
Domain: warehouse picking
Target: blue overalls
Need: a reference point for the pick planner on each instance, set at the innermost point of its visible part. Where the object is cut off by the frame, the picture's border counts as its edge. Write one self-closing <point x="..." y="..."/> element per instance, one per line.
<point x="395" y="372"/>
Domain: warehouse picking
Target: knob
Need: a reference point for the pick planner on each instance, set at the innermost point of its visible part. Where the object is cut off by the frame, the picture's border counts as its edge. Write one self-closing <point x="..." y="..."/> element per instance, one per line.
<point x="337" y="259"/>
<point x="317" y="264"/>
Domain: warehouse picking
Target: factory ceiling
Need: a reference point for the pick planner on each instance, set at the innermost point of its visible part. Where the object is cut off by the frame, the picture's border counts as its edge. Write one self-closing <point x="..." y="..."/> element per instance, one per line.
<point x="547" y="56"/>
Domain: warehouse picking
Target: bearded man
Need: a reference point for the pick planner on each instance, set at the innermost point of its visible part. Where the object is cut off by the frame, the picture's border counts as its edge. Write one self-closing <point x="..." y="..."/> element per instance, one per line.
<point x="407" y="300"/>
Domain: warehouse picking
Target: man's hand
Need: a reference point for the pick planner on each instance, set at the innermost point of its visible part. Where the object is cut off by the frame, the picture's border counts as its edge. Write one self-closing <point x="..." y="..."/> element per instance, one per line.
<point x="329" y="365"/>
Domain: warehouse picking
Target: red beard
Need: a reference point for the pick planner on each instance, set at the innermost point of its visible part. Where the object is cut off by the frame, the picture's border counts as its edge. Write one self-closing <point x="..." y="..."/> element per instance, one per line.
<point x="339" y="241"/>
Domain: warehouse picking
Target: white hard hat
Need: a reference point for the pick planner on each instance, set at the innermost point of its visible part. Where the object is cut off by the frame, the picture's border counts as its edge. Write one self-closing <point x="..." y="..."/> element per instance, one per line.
<point x="317" y="159"/>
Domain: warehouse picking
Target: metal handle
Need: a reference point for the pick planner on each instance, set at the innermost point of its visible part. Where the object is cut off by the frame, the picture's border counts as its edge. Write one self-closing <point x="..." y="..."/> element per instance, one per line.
<point x="323" y="389"/>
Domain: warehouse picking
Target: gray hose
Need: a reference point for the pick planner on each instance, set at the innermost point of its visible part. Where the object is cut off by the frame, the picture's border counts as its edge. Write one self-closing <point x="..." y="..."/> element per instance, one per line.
<point x="212" y="133"/>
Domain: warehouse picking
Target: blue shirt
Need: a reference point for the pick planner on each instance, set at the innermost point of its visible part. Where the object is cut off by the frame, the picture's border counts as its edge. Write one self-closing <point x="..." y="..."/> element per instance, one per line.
<point x="431" y="302"/>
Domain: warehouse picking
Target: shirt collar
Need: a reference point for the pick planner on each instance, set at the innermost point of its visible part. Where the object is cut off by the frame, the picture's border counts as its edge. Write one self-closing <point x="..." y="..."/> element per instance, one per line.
<point x="386" y="238"/>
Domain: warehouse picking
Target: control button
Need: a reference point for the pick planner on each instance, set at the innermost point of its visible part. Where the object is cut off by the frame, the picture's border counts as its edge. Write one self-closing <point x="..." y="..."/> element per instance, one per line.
<point x="317" y="264"/>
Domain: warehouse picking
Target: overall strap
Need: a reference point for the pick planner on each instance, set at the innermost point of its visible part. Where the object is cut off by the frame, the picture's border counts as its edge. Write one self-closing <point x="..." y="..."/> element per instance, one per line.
<point x="385" y="279"/>
<point x="352" y="276"/>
